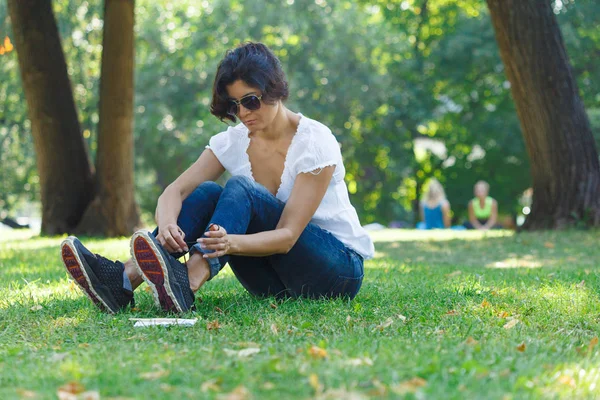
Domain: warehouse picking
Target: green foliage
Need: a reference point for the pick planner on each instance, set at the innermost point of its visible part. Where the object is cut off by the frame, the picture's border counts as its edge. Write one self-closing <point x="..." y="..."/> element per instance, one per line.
<point x="381" y="74"/>
<point x="433" y="306"/>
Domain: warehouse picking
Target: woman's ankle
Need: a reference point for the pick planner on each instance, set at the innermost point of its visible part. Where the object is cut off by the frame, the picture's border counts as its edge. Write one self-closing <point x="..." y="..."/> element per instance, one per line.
<point x="198" y="271"/>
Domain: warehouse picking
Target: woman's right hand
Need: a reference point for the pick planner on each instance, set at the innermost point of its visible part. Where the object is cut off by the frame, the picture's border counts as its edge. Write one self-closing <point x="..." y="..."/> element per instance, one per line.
<point x="171" y="237"/>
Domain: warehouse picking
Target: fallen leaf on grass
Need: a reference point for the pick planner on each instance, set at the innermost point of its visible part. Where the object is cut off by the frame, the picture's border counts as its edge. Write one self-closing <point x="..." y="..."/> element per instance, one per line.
<point x="26" y="394"/>
<point x="592" y="344"/>
<point x="313" y="381"/>
<point x="384" y="324"/>
<point x="452" y="312"/>
<point x="581" y="284"/>
<point x="244" y="353"/>
<point x="317" y="352"/>
<point x="83" y="345"/>
<point x="273" y="306"/>
<point x="211" y="384"/>
<point x="213" y="325"/>
<point x="218" y="310"/>
<point x="37" y="307"/>
<point x="503" y="314"/>
<point x="401" y="317"/>
<point x="239" y="393"/>
<point x="485" y="303"/>
<point x="76" y="391"/>
<point x="470" y="341"/>
<point x="521" y="347"/>
<point x="453" y="274"/>
<point x="153" y="375"/>
<point x="549" y="245"/>
<point x="409" y="386"/>
<point x="57" y="357"/>
<point x="567" y="380"/>
<point x="274" y="329"/>
<point x="268" y="386"/>
<point x="511" y="324"/>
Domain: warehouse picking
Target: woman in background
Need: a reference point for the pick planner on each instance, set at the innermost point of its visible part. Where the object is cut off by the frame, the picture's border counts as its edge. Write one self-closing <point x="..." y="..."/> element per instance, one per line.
<point x="483" y="210"/>
<point x="435" y="208"/>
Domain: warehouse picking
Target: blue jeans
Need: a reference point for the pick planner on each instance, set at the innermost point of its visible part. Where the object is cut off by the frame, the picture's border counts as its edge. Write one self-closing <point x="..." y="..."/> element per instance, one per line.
<point x="318" y="265"/>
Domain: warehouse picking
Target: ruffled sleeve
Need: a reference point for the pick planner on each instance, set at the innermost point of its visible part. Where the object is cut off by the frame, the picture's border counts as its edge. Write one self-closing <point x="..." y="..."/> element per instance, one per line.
<point x="322" y="150"/>
<point x="223" y="145"/>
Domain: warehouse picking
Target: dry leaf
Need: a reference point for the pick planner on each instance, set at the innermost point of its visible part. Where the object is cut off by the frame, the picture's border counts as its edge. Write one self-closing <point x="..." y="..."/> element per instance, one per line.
<point x="239" y="393"/>
<point x="511" y="324"/>
<point x="213" y="325"/>
<point x="401" y="317"/>
<point x="581" y="284"/>
<point x="587" y="271"/>
<point x="503" y="314"/>
<point x="148" y="289"/>
<point x="384" y="324"/>
<point x="154" y="374"/>
<point x="268" y="386"/>
<point x="592" y="344"/>
<point x="470" y="341"/>
<point x="317" y="352"/>
<point x="71" y="388"/>
<point x="274" y="329"/>
<point x="567" y="380"/>
<point x="521" y="347"/>
<point x="57" y="357"/>
<point x="217" y="309"/>
<point x="273" y="306"/>
<point x="453" y="274"/>
<point x="37" y="307"/>
<point x="211" y="384"/>
<point x="84" y="345"/>
<point x="485" y="303"/>
<point x="26" y="394"/>
<point x="452" y="312"/>
<point x="549" y="245"/>
<point x="313" y="380"/>
<point x="409" y="386"/>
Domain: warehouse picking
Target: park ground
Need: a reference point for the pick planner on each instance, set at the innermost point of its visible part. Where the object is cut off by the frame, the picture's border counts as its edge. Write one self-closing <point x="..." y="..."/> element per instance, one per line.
<point x="449" y="315"/>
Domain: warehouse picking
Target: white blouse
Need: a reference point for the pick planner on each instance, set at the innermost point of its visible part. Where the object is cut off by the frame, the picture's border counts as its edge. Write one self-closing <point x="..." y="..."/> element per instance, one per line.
<point x="313" y="147"/>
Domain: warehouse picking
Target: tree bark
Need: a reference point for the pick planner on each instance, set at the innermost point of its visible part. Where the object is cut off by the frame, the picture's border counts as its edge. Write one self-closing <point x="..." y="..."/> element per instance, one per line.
<point x="114" y="211"/>
<point x="66" y="178"/>
<point x="564" y="160"/>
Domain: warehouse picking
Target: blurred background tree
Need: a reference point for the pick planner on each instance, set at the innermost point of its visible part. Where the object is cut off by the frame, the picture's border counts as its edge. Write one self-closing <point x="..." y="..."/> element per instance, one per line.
<point x="413" y="89"/>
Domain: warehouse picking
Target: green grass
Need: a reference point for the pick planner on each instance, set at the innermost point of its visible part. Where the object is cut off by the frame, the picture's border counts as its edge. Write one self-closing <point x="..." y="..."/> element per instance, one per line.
<point x="428" y="323"/>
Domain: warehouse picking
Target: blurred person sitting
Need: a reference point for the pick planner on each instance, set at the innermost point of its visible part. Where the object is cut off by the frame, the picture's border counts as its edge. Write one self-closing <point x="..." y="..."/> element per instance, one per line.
<point x="483" y="210"/>
<point x="435" y="208"/>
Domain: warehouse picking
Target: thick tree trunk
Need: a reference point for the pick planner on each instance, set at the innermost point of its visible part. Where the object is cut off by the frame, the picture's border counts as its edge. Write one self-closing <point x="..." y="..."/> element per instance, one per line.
<point x="564" y="160"/>
<point x="114" y="211"/>
<point x="66" y="178"/>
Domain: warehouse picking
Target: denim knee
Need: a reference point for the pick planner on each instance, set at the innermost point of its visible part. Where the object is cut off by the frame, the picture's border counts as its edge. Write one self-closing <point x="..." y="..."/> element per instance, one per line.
<point x="238" y="182"/>
<point x="205" y="191"/>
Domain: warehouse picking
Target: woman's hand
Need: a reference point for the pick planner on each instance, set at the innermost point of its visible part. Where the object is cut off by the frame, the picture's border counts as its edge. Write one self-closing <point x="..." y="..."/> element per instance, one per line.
<point x="216" y="239"/>
<point x="171" y="237"/>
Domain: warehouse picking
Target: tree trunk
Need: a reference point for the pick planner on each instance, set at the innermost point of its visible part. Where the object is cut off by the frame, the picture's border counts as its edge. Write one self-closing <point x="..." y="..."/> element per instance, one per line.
<point x="114" y="211"/>
<point x="564" y="160"/>
<point x="66" y="178"/>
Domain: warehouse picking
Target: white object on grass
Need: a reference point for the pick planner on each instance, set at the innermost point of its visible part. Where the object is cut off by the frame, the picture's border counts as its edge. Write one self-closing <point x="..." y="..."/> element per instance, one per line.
<point x="143" y="322"/>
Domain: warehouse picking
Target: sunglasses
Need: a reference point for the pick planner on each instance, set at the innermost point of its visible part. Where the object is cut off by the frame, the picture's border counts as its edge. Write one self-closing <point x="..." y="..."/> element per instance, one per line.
<point x="250" y="102"/>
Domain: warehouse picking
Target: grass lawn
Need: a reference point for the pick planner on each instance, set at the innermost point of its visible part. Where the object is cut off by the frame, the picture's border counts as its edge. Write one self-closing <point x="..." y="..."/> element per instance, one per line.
<point x="440" y="315"/>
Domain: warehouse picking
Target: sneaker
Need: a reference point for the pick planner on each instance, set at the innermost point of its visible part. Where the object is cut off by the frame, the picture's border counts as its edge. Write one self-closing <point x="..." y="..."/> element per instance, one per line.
<point x="100" y="278"/>
<point x="167" y="278"/>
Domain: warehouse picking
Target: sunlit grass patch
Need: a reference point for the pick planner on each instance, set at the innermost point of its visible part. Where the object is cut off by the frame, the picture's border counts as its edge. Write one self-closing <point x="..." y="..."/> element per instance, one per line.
<point x="437" y="317"/>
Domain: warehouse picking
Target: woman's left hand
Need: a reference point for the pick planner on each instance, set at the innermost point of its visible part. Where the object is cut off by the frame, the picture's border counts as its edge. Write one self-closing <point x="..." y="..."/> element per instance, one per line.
<point x="216" y="239"/>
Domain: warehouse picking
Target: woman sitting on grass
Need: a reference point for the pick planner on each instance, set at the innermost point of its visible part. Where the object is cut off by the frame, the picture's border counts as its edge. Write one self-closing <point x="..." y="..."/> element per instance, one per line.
<point x="283" y="221"/>
<point x="483" y="210"/>
<point x="435" y="209"/>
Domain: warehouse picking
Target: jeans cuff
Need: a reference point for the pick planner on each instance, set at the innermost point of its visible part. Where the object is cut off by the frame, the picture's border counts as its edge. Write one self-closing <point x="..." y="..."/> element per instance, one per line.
<point x="214" y="264"/>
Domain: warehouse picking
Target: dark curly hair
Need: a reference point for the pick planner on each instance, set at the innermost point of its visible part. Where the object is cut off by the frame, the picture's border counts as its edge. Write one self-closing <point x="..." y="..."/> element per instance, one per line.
<point x="257" y="66"/>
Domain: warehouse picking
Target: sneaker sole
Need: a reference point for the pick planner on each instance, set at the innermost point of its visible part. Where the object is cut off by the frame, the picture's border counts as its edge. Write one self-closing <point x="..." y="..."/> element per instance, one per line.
<point x="78" y="273"/>
<point x="153" y="268"/>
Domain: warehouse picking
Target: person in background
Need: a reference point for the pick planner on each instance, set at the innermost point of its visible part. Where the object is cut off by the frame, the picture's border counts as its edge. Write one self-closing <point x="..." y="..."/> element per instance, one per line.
<point x="483" y="210"/>
<point x="435" y="208"/>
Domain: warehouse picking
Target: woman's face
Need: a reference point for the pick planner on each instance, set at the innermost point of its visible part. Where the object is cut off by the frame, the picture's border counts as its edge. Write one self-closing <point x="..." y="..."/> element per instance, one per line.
<point x="253" y="120"/>
<point x="481" y="191"/>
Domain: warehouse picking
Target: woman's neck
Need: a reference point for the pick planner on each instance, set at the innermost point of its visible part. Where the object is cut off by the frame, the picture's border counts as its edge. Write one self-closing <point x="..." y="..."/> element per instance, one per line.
<point x="284" y="124"/>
